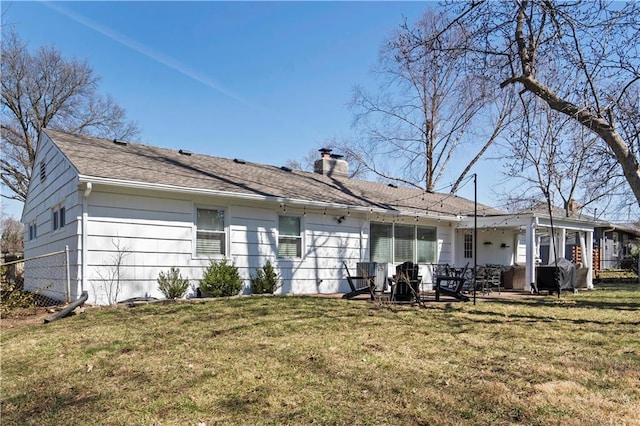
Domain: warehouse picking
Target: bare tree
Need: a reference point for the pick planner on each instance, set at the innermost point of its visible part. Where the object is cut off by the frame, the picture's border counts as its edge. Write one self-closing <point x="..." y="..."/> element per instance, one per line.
<point x="426" y="107"/>
<point x="12" y="235"/>
<point x="44" y="89"/>
<point x="111" y="279"/>
<point x="524" y="43"/>
<point x="554" y="160"/>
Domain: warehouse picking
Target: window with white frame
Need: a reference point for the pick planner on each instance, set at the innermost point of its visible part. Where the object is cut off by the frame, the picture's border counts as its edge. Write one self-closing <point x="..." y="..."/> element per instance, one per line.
<point x="289" y="236"/>
<point x="58" y="217"/>
<point x="33" y="230"/>
<point x="210" y="232"/>
<point x="468" y="246"/>
<point x="381" y="238"/>
<point x="427" y="244"/>
<point x="400" y="243"/>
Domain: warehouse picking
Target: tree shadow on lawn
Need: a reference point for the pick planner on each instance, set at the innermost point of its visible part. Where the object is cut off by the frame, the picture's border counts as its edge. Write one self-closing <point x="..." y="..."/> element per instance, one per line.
<point x="571" y="303"/>
<point x="50" y="402"/>
<point x="553" y="313"/>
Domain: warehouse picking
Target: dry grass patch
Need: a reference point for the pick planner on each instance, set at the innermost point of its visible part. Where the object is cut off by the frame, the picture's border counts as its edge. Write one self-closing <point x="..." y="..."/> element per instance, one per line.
<point x="291" y="360"/>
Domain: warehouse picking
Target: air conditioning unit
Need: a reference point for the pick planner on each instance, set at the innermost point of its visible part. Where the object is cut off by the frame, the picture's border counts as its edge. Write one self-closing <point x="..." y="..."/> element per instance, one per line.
<point x="374" y="269"/>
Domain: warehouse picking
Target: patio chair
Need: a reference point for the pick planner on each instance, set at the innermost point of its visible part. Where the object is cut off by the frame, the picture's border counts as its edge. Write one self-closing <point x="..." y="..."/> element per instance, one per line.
<point x="359" y="284"/>
<point x="493" y="277"/>
<point x="482" y="280"/>
<point x="405" y="284"/>
<point x="453" y="284"/>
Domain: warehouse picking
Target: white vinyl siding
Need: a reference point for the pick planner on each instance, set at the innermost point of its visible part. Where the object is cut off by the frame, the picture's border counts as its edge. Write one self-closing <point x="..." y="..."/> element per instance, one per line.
<point x="289" y="237"/>
<point x="210" y="234"/>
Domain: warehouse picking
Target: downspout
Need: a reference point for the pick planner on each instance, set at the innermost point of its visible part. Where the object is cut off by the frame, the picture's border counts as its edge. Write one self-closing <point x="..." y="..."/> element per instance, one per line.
<point x="531" y="250"/>
<point x="85" y="219"/>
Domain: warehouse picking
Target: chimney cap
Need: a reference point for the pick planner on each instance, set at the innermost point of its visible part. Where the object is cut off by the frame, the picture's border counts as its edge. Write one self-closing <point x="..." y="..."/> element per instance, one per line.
<point x="325" y="152"/>
<point x="336" y="156"/>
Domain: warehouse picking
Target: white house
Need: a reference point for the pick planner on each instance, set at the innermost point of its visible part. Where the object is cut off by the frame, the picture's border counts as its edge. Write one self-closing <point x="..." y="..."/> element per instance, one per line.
<point x="129" y="211"/>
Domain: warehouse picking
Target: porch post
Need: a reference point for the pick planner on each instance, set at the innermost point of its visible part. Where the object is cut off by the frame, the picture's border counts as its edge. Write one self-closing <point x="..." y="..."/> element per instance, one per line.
<point x="589" y="258"/>
<point x="561" y="243"/>
<point x="530" y="267"/>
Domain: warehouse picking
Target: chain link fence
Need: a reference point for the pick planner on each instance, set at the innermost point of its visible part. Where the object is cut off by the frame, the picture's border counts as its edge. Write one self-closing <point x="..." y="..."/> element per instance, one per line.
<point x="35" y="281"/>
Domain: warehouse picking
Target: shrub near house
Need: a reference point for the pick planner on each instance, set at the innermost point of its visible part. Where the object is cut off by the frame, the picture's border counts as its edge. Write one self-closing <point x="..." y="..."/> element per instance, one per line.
<point x="266" y="280"/>
<point x="172" y="284"/>
<point x="221" y="279"/>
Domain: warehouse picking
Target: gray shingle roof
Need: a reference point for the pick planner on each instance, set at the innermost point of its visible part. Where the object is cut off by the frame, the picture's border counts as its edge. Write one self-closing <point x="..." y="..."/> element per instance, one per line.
<point x="102" y="158"/>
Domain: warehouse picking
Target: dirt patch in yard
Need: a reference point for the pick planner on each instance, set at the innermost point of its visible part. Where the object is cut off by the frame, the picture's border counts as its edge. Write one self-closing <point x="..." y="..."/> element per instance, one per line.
<point x="25" y="316"/>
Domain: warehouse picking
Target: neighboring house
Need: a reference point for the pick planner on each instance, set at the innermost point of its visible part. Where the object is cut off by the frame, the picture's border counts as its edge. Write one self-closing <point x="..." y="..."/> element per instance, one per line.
<point x="614" y="243"/>
<point x="129" y="211"/>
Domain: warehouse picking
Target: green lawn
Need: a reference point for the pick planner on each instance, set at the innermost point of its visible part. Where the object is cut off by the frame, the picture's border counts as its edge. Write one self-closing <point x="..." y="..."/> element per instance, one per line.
<point x="295" y="360"/>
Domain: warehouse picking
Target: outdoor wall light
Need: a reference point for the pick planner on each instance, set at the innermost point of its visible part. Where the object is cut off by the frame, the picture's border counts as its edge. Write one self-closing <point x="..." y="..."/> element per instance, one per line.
<point x="487" y="243"/>
<point x="340" y="219"/>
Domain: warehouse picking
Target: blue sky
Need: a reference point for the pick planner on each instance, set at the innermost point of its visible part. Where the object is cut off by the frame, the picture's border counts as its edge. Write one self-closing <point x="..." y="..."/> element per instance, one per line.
<point x="262" y="81"/>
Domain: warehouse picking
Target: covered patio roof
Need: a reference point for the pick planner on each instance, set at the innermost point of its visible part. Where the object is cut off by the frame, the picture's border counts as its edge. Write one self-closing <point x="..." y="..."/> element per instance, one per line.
<point x="533" y="225"/>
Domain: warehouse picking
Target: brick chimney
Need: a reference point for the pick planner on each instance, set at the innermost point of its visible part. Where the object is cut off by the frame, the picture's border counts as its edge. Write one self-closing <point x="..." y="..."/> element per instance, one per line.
<point x="572" y="208"/>
<point x="331" y="165"/>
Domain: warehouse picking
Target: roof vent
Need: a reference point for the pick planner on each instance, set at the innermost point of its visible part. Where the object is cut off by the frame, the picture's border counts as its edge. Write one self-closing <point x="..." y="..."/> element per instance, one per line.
<point x="393" y="185"/>
<point x="286" y="169"/>
<point x="239" y="161"/>
<point x="184" y="152"/>
<point x="119" y="142"/>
